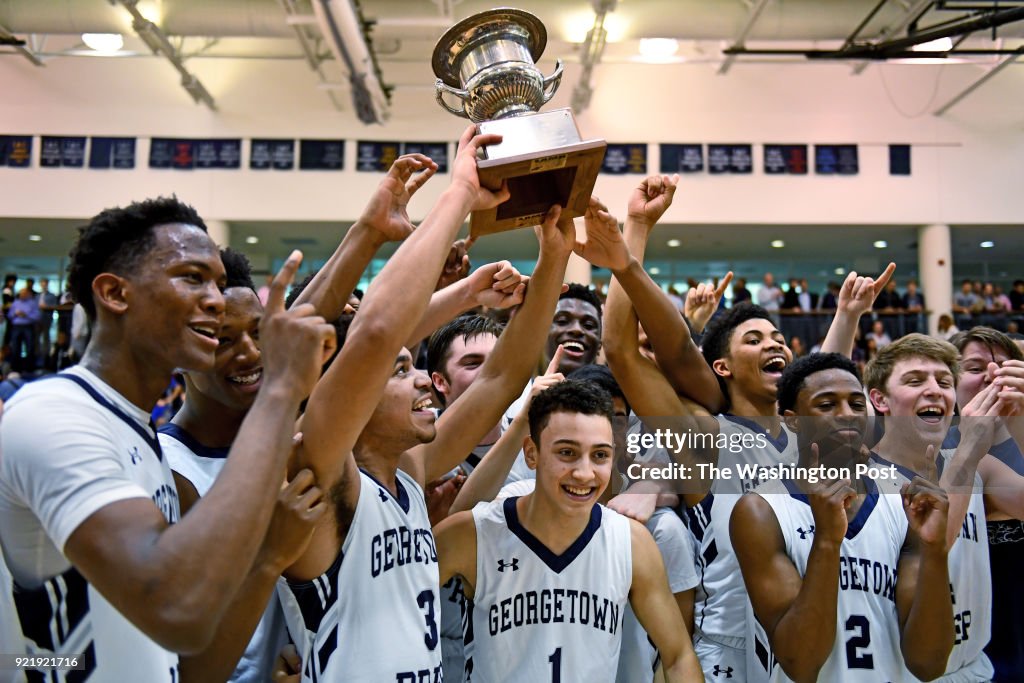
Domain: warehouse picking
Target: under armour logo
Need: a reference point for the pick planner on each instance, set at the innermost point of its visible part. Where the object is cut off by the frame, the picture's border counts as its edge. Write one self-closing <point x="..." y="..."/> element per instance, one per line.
<point x="718" y="671"/>
<point x="383" y="496"/>
<point x="134" y="454"/>
<point x="502" y="564"/>
<point x="804" y="533"/>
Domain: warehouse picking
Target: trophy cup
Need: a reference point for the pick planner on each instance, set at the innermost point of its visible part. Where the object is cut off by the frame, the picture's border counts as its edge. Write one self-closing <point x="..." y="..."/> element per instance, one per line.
<point x="488" y="62"/>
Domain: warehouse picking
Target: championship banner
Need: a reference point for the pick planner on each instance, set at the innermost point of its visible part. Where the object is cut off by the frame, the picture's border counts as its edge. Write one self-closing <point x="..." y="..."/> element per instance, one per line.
<point x="16" y="151"/>
<point x="836" y="160"/>
<point x="57" y="152"/>
<point x="785" y="159"/>
<point x="437" y="151"/>
<point x="899" y="159"/>
<point x="112" y="153"/>
<point x="321" y="155"/>
<point x="682" y="158"/>
<point x="625" y="158"/>
<point x="737" y="158"/>
<point x="376" y="157"/>
<point x="272" y="153"/>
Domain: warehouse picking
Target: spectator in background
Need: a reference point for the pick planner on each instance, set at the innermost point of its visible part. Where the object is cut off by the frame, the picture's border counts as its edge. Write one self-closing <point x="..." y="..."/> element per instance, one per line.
<point x="1002" y="301"/>
<point x="740" y="293"/>
<point x="10" y="280"/>
<point x="769" y="296"/>
<point x="966" y="303"/>
<point x="1017" y="296"/>
<point x="889" y="299"/>
<point x="22" y="317"/>
<point x="946" y="327"/>
<point x="913" y="300"/>
<point x="796" y="345"/>
<point x="808" y="300"/>
<point x="878" y="336"/>
<point x="263" y="292"/>
<point x="830" y="300"/>
<point x="47" y="305"/>
<point x="791" y="299"/>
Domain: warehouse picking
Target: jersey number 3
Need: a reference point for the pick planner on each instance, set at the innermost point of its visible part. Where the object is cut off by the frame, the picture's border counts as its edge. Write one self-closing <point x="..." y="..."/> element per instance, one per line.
<point x="426" y="602"/>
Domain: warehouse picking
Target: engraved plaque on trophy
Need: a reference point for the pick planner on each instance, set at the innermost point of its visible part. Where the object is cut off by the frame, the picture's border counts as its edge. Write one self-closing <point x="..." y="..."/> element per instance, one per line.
<point x="488" y="62"/>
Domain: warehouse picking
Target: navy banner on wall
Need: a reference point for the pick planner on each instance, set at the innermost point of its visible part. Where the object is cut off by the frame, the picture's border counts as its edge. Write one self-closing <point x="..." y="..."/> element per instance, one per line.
<point x="376" y="157"/>
<point x="278" y="154"/>
<point x="437" y="151"/>
<point x="58" y="151"/>
<point x="682" y="158"/>
<point x="321" y="155"/>
<point x="730" y="158"/>
<point x="218" y="153"/>
<point x="899" y="159"/>
<point x="112" y="153"/>
<point x="789" y="159"/>
<point x="836" y="159"/>
<point x="16" y="151"/>
<point x="625" y="158"/>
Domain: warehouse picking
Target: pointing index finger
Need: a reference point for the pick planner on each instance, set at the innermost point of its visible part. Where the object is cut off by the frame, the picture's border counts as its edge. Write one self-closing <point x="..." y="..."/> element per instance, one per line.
<point x="720" y="290"/>
<point x="281" y="282"/>
<point x="884" y="278"/>
<point x="556" y="359"/>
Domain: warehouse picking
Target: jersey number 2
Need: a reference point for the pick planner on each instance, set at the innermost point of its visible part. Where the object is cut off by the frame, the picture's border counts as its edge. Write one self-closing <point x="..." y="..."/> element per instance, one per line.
<point x="556" y="665"/>
<point x="860" y="641"/>
<point x="426" y="602"/>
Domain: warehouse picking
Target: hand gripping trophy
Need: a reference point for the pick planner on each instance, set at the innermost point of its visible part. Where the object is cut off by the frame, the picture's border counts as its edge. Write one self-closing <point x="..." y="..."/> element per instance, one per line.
<point x="488" y="61"/>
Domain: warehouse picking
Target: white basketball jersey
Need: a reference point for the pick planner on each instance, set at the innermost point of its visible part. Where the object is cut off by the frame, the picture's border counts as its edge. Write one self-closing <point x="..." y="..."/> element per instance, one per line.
<point x="540" y="617"/>
<point x="372" y="617"/>
<point x="867" y="646"/>
<point x="721" y="596"/>
<point x="66" y="615"/>
<point x="201" y="466"/>
<point x="970" y="579"/>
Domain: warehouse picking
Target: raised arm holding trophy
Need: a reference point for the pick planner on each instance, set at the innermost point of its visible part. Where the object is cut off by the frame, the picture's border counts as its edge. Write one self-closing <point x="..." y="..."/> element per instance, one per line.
<point x="488" y="61"/>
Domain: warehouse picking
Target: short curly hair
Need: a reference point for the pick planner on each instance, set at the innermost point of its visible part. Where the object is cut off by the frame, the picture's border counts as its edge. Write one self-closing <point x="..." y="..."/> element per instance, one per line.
<point x="237" y="269"/>
<point x="795" y="375"/>
<point x="583" y="293"/>
<point x="569" y="396"/>
<point x="116" y="240"/>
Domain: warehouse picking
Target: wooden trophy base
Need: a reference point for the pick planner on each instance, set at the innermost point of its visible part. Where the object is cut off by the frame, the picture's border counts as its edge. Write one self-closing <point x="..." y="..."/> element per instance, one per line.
<point x="562" y="174"/>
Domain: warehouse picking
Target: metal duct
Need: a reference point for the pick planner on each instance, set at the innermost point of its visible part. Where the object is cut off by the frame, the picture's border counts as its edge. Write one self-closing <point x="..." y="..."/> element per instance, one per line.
<point x="345" y="32"/>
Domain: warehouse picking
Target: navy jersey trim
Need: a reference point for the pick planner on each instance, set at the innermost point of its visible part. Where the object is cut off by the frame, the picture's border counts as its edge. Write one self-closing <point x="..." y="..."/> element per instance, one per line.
<point x="403" y="496"/>
<point x="556" y="563"/>
<point x="178" y="434"/>
<point x="315" y="598"/>
<point x="780" y="444"/>
<point x="854" y="526"/>
<point x="148" y="436"/>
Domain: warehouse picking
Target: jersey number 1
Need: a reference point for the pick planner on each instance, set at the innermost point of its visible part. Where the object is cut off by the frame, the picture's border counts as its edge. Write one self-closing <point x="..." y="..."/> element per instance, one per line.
<point x="556" y="665"/>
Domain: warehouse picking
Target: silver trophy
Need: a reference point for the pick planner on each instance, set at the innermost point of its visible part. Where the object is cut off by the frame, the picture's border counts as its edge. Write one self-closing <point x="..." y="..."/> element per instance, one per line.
<point x="488" y="62"/>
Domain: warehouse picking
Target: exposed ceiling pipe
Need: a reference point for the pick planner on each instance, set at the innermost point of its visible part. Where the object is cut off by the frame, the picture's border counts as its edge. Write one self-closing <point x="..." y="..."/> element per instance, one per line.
<point x="912" y="14"/>
<point x="590" y="55"/>
<point x="752" y="17"/>
<point x="342" y="26"/>
<point x="159" y="44"/>
<point x="980" y="82"/>
<point x="9" y="39"/>
<point x="298" y="23"/>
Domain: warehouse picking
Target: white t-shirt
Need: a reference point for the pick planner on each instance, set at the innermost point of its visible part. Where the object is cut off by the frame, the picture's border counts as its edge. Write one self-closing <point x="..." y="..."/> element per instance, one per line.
<point x="72" y="446"/>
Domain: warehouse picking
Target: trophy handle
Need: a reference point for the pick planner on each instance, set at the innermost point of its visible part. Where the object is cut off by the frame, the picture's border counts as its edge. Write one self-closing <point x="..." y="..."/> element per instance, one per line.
<point x="440" y="88"/>
<point x="552" y="82"/>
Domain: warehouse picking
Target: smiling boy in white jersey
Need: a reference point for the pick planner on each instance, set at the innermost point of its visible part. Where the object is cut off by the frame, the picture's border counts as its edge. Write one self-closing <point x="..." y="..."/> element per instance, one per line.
<point x="847" y="586"/>
<point x="913" y="383"/>
<point x="363" y="598"/>
<point x="90" y="524"/>
<point x="550" y="571"/>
